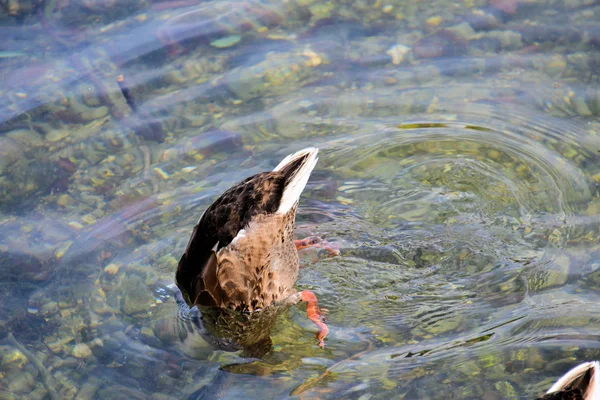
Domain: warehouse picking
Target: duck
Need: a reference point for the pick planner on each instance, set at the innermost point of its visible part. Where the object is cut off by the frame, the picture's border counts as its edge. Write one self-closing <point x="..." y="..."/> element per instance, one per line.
<point x="580" y="383"/>
<point x="242" y="256"/>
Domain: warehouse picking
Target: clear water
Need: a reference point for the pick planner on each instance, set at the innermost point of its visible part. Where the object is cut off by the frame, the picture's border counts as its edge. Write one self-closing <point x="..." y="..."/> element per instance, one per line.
<point x="459" y="174"/>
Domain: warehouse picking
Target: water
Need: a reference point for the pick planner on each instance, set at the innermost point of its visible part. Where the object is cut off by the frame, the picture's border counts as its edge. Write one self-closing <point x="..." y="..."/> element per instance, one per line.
<point x="458" y="173"/>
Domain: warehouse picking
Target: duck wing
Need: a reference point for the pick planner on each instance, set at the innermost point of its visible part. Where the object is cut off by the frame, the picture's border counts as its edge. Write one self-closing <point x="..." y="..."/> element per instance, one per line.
<point x="221" y="222"/>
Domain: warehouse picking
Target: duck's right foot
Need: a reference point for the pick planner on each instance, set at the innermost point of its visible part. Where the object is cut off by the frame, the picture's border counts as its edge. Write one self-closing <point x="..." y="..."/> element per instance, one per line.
<point x="314" y="314"/>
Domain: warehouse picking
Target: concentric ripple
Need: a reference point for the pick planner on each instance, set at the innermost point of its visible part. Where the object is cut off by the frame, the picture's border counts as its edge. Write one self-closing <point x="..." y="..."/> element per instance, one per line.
<point x="459" y="174"/>
<point x="453" y="220"/>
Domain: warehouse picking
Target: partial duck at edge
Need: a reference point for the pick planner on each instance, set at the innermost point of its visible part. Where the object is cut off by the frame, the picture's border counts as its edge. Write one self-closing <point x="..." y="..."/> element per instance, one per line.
<point x="580" y="383"/>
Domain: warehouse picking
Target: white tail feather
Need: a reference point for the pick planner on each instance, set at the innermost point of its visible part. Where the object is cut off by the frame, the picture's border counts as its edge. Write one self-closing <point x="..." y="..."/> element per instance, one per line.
<point x="593" y="390"/>
<point x="293" y="190"/>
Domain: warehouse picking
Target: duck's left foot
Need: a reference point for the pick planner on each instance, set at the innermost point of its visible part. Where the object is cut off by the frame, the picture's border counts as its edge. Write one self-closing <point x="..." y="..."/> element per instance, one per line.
<point x="314" y="314"/>
<point x="316" y="241"/>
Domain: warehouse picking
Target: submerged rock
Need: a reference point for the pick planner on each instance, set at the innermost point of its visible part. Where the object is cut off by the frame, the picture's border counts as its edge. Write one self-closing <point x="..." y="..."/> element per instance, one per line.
<point x="14" y="358"/>
<point x="118" y="392"/>
<point x="137" y="297"/>
<point x="398" y="53"/>
<point x="81" y="350"/>
<point x="443" y="43"/>
<point x="22" y="382"/>
<point x="227" y="41"/>
<point x="558" y="276"/>
<point x="278" y="73"/>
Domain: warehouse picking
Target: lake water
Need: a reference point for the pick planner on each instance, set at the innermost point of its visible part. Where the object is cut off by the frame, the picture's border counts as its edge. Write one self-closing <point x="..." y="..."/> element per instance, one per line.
<point x="459" y="175"/>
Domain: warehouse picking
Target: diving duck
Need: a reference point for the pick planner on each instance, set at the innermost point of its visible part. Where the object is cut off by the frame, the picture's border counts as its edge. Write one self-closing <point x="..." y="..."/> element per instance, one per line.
<point x="242" y="256"/>
<point x="580" y="383"/>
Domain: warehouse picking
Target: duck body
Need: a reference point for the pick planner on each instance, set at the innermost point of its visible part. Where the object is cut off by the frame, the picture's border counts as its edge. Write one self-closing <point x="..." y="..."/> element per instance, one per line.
<point x="241" y="255"/>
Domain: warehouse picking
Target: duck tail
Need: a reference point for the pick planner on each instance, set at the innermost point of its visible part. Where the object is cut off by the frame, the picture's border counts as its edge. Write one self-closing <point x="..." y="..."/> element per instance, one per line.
<point x="585" y="377"/>
<point x="296" y="168"/>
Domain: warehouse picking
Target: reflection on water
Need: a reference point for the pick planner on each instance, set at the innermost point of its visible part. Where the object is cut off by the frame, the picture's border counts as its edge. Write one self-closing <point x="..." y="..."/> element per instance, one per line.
<point x="459" y="173"/>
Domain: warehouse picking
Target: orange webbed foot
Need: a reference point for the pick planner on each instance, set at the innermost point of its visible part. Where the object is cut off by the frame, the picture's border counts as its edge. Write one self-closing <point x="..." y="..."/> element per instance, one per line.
<point x="314" y="314"/>
<point x="316" y="241"/>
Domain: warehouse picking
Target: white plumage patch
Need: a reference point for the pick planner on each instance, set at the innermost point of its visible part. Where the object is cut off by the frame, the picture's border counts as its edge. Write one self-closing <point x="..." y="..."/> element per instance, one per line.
<point x="293" y="190"/>
<point x="240" y="235"/>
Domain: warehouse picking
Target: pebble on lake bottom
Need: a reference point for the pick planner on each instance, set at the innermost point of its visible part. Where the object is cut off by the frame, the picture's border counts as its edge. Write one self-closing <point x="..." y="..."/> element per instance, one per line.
<point x="81" y="350"/>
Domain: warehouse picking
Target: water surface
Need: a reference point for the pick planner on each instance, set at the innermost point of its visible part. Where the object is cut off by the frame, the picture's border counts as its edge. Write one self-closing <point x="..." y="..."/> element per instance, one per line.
<point x="459" y="174"/>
